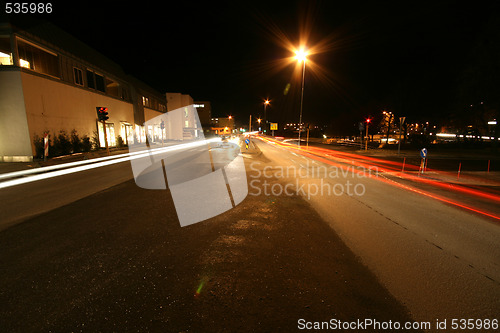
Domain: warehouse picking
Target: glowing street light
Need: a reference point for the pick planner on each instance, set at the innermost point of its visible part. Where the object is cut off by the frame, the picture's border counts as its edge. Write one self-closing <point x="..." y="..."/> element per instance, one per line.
<point x="301" y="56"/>
<point x="368" y="120"/>
<point x="266" y="103"/>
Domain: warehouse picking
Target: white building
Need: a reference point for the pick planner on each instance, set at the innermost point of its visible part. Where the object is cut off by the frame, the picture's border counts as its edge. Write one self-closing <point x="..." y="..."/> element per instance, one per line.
<point x="50" y="81"/>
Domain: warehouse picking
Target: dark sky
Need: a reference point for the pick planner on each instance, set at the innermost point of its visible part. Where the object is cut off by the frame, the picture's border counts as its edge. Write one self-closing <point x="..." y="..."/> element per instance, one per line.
<point x="402" y="56"/>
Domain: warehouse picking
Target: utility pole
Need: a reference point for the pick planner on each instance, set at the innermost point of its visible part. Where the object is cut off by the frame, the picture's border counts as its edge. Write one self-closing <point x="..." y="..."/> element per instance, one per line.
<point x="250" y="124"/>
<point x="401" y="121"/>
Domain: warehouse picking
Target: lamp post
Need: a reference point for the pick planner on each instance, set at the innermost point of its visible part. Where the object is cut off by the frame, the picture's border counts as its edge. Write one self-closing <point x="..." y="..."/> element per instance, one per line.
<point x="266" y="103"/>
<point x="367" y="124"/>
<point x="301" y="55"/>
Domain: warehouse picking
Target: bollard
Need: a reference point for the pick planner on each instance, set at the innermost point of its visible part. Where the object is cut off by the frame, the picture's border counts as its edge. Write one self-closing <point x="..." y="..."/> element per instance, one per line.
<point x="45" y="146"/>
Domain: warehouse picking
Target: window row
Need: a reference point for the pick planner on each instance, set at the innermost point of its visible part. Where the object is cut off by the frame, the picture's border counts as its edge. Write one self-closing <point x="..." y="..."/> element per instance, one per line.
<point x="153" y="103"/>
<point x="41" y="60"/>
<point x="100" y="83"/>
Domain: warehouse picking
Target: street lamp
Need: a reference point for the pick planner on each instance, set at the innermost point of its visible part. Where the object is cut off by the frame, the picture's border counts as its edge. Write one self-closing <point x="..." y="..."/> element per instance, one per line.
<point x="367" y="124"/>
<point x="266" y="103"/>
<point x="301" y="55"/>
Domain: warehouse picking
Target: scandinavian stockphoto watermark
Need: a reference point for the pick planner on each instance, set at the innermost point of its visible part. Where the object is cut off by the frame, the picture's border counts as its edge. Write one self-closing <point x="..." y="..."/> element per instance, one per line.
<point x="205" y="177"/>
<point x="309" y="180"/>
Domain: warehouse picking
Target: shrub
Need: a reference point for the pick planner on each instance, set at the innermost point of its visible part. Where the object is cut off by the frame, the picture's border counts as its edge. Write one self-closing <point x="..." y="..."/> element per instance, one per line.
<point x="76" y="143"/>
<point x="119" y="142"/>
<point x="39" y="146"/>
<point x="64" y="142"/>
<point x="86" y="144"/>
<point x="95" y="141"/>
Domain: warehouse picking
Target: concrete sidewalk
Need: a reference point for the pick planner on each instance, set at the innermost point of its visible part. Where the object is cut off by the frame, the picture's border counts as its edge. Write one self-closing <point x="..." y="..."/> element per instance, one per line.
<point x="6" y="167"/>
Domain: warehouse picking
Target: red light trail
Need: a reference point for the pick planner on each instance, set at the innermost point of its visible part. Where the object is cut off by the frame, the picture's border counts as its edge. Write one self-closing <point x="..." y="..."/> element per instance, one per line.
<point x="329" y="156"/>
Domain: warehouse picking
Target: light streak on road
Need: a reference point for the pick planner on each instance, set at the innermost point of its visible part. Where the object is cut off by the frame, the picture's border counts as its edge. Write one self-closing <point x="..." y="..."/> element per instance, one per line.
<point x="73" y="167"/>
<point x="318" y="154"/>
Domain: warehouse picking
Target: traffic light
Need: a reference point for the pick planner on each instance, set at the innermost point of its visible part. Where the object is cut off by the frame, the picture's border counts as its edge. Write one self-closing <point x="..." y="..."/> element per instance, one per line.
<point x="102" y="113"/>
<point x="162" y="125"/>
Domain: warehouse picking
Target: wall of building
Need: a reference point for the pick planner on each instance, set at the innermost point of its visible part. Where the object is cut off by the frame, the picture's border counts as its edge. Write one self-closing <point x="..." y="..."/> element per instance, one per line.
<point x="15" y="145"/>
<point x="178" y="100"/>
<point x="204" y="109"/>
<point x="52" y="82"/>
<point x="53" y="106"/>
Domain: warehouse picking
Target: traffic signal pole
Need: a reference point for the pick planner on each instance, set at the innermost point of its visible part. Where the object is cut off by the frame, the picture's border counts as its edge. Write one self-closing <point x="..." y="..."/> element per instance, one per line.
<point x="105" y="136"/>
<point x="102" y="115"/>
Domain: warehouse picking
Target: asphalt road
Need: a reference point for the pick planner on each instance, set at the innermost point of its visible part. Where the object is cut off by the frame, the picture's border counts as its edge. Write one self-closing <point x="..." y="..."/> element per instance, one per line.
<point x="105" y="255"/>
<point x="440" y="261"/>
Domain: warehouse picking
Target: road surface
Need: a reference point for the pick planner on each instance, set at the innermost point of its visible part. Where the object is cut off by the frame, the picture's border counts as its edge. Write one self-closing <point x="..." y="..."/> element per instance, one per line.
<point x="440" y="261"/>
<point x="117" y="260"/>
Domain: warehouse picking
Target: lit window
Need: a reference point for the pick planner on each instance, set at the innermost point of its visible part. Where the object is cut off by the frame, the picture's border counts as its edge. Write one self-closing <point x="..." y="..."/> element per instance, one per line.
<point x="5" y="53"/>
<point x="5" y="59"/>
<point x="24" y="63"/>
<point x="37" y="59"/>
<point x="145" y="101"/>
<point x="110" y="133"/>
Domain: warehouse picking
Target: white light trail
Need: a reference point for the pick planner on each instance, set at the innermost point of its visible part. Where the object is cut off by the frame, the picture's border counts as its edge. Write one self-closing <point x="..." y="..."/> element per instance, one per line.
<point x="79" y="166"/>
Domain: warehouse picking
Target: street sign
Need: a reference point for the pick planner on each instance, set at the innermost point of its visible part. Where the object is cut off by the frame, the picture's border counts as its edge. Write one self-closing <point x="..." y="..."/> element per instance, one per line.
<point x="247" y="141"/>
<point x="361" y="126"/>
<point x="423" y="153"/>
<point x="274" y="126"/>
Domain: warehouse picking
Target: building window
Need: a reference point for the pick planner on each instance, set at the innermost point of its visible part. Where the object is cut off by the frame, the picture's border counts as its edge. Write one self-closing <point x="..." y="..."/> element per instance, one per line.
<point x="99" y="83"/>
<point x="110" y="133"/>
<point x="95" y="81"/>
<point x="78" y="76"/>
<point x="90" y="79"/>
<point x="5" y="53"/>
<point x="145" y="101"/>
<point x="37" y="59"/>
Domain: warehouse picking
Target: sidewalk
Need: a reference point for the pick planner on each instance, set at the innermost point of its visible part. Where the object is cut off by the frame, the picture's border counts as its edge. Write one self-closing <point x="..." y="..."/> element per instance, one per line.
<point x="6" y="167"/>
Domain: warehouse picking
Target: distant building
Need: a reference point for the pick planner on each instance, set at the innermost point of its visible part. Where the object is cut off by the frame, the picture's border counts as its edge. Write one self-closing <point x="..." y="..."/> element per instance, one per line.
<point x="223" y="126"/>
<point x="204" y="112"/>
<point x="50" y="81"/>
<point x="178" y="100"/>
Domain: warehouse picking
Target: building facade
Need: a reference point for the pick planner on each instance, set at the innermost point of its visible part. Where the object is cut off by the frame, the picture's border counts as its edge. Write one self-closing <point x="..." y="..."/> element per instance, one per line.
<point x="52" y="82"/>
<point x="204" y="109"/>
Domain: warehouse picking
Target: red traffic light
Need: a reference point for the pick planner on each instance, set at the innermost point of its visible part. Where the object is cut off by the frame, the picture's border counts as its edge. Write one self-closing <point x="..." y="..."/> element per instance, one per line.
<point x="102" y="113"/>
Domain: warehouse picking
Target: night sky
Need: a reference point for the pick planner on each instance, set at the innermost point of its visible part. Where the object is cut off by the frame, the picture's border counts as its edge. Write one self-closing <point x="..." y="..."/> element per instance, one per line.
<point x="405" y="57"/>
